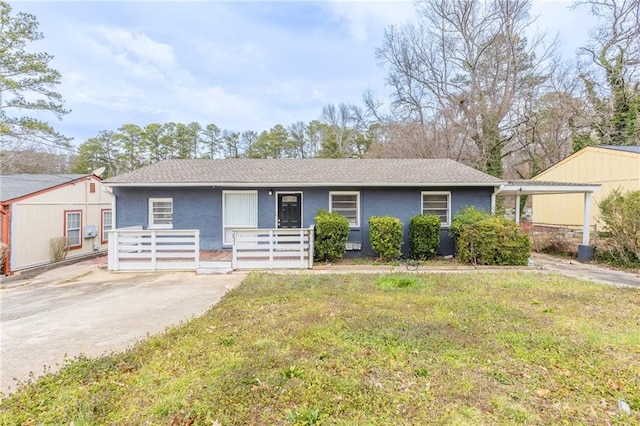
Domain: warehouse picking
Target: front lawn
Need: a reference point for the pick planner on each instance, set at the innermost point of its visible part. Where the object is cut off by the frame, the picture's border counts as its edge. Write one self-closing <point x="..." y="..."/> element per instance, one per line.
<point x="472" y="348"/>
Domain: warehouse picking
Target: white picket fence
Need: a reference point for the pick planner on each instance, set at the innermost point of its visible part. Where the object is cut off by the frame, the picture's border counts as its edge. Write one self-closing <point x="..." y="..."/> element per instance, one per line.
<point x="154" y="250"/>
<point x="272" y="248"/>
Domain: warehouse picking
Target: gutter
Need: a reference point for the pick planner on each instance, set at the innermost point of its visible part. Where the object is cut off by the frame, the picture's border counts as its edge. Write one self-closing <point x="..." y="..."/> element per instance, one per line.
<point x="299" y="184"/>
<point x="533" y="189"/>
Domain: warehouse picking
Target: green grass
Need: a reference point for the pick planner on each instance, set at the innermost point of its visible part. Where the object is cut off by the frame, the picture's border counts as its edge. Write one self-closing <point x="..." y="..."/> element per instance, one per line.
<point x="478" y="348"/>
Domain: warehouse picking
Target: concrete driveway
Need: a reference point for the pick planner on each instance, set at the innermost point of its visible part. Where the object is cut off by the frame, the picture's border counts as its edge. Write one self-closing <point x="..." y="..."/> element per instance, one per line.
<point x="585" y="271"/>
<point x="82" y="309"/>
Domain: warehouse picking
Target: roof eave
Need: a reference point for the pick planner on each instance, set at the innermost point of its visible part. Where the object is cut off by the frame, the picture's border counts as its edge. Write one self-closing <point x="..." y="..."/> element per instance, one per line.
<point x="299" y="184"/>
<point x="50" y="188"/>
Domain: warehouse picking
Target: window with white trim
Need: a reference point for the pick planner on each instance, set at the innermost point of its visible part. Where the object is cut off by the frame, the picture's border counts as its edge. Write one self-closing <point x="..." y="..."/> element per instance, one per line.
<point x="72" y="228"/>
<point x="160" y="213"/>
<point x="439" y="204"/>
<point x="347" y="203"/>
<point x="239" y="211"/>
<point x="107" y="224"/>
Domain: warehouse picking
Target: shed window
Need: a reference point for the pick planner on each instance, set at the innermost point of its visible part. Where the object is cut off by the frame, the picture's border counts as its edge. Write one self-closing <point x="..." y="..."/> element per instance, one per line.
<point x="107" y="224"/>
<point x="347" y="204"/>
<point x="72" y="228"/>
<point x="160" y="213"/>
<point x="240" y="211"/>
<point x="439" y="204"/>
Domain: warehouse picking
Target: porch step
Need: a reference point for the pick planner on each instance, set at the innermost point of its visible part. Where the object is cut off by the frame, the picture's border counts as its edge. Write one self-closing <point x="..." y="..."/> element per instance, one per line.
<point x="210" y="268"/>
<point x="213" y="271"/>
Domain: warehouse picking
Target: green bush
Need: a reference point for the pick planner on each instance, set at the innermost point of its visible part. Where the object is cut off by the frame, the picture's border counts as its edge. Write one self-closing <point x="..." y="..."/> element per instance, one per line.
<point x="385" y="234"/>
<point x="464" y="217"/>
<point x="489" y="240"/>
<point x="424" y="236"/>
<point x="331" y="232"/>
<point x="620" y="214"/>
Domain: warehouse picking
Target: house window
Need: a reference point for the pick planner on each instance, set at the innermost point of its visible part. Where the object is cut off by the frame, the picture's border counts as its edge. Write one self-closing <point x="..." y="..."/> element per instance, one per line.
<point x="439" y="204"/>
<point x="347" y="204"/>
<point x="72" y="228"/>
<point x="160" y="213"/>
<point x="107" y="225"/>
<point x="239" y="211"/>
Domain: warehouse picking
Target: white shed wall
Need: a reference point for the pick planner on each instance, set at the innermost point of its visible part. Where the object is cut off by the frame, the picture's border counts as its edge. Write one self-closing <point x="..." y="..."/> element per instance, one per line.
<point x="37" y="219"/>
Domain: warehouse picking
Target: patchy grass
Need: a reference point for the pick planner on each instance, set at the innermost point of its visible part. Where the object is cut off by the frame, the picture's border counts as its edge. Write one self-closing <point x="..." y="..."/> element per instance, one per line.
<point x="512" y="348"/>
<point x="397" y="281"/>
<point x="360" y="261"/>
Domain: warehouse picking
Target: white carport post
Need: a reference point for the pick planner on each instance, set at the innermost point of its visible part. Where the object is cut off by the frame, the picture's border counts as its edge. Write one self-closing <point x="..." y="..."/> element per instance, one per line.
<point x="587" y="218"/>
<point x="518" y="209"/>
<point x="496" y="191"/>
<point x="585" y="251"/>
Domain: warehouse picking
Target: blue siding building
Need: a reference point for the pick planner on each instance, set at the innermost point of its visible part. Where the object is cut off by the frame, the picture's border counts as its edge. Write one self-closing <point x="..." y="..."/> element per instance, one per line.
<point x="217" y="196"/>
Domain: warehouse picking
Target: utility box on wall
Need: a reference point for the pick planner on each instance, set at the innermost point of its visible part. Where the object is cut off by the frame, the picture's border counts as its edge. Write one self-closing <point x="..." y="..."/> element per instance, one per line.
<point x="353" y="245"/>
<point x="90" y="231"/>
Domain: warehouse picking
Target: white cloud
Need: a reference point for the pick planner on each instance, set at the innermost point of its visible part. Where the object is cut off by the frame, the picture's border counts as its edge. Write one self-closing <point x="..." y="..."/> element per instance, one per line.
<point x="135" y="53"/>
<point x="139" y="45"/>
<point x="366" y="21"/>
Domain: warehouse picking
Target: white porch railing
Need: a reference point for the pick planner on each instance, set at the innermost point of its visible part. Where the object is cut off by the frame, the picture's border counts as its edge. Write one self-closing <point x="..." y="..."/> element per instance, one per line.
<point x="272" y="248"/>
<point x="154" y="250"/>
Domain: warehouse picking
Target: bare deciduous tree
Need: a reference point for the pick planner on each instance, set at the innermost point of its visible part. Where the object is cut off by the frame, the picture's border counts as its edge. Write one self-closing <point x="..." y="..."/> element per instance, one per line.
<point x="466" y="62"/>
<point x="614" y="53"/>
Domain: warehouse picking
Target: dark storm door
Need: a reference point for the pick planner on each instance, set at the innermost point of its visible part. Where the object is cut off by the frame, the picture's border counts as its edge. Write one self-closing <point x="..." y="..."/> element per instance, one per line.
<point x="289" y="210"/>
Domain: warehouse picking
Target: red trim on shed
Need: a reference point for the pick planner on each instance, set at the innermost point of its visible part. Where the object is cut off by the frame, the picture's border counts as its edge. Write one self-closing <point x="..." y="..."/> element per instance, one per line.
<point x="6" y="212"/>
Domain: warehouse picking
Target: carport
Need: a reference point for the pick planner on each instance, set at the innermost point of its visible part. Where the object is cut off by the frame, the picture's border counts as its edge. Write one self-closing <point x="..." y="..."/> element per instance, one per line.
<point x="522" y="187"/>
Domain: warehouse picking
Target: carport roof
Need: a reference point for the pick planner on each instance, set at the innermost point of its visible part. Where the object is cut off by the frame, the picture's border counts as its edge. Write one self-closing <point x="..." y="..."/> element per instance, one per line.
<point x="538" y="187"/>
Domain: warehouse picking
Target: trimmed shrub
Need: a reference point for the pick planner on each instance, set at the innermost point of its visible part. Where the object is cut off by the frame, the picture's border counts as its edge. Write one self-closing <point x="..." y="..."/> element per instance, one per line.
<point x="331" y="232"/>
<point x="464" y="217"/>
<point x="620" y="213"/>
<point x="490" y="240"/>
<point x="385" y="234"/>
<point x="424" y="236"/>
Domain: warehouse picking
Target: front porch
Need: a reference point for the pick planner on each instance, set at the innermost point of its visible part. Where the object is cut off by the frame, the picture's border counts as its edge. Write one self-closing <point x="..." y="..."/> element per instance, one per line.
<point x="179" y="249"/>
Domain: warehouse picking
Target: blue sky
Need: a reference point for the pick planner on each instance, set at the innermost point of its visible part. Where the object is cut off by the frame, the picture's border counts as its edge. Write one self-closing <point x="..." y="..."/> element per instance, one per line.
<point x="239" y="65"/>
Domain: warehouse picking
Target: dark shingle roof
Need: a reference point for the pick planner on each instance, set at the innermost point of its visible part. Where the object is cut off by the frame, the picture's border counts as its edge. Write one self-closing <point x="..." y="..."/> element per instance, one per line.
<point x="625" y="148"/>
<point x="307" y="172"/>
<point x="14" y="186"/>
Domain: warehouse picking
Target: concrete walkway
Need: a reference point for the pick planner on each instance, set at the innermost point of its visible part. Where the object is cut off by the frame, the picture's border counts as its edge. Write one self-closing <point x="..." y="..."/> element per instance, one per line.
<point x="541" y="263"/>
<point x="586" y="271"/>
<point x="83" y="309"/>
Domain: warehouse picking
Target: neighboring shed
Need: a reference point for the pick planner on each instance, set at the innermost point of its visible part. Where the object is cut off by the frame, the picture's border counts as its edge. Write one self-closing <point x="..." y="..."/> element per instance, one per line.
<point x="611" y="166"/>
<point x="38" y="207"/>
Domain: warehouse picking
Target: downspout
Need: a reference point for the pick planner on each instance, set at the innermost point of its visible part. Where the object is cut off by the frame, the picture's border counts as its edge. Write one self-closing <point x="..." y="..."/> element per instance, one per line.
<point x="496" y="190"/>
<point x="6" y="213"/>
<point x="109" y="190"/>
